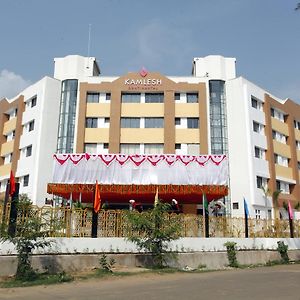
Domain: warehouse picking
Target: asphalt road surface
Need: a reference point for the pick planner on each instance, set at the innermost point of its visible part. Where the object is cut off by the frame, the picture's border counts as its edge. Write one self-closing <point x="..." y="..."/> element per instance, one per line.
<point x="278" y="282"/>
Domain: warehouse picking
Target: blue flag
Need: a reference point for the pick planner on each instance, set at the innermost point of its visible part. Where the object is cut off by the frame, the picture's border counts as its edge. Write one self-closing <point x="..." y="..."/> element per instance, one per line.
<point x="246" y="208"/>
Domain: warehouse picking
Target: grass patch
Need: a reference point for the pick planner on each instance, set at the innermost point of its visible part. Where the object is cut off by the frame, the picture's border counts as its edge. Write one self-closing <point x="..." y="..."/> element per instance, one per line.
<point x="41" y="279"/>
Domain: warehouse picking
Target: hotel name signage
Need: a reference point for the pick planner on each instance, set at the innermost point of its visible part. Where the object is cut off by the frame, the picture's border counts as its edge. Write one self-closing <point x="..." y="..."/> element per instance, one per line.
<point x="143" y="83"/>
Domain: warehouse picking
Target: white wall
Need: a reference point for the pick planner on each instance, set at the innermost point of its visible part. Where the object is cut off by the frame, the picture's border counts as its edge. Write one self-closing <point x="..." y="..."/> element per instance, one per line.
<point x="214" y="67"/>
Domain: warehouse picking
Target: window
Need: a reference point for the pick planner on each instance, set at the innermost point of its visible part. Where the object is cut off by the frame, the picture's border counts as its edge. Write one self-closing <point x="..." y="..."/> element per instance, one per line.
<point x="131" y="97"/>
<point x="282" y="186"/>
<point x="107" y="96"/>
<point x="26" y="180"/>
<point x="257" y="127"/>
<point x="105" y="146"/>
<point x="130" y="122"/>
<point x="257" y="213"/>
<point x="177" y="146"/>
<point x="28" y="151"/>
<point x="92" y="97"/>
<point x="259" y="152"/>
<point x="130" y="148"/>
<point x="177" y="121"/>
<point x="154" y="122"/>
<point x="154" y="148"/>
<point x="298" y="145"/>
<point x="297" y="124"/>
<point x="106" y="120"/>
<point x="90" y="148"/>
<point x="193" y="149"/>
<point x="192" y="97"/>
<point x="235" y="205"/>
<point x="8" y="159"/>
<point x="279" y="137"/>
<point x="281" y="160"/>
<point x="192" y="122"/>
<point x="261" y="182"/>
<point x="177" y="96"/>
<point x="277" y="114"/>
<point x="31" y="126"/>
<point x="33" y="101"/>
<point x="298" y="165"/>
<point x="257" y="104"/>
<point x="91" y="122"/>
<point x="154" y="98"/>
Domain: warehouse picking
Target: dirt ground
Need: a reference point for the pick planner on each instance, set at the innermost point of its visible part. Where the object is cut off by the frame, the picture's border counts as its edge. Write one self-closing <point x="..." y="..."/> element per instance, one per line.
<point x="278" y="282"/>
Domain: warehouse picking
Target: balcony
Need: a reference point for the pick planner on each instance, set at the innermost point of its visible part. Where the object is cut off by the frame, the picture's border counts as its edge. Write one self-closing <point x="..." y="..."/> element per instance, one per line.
<point x="9" y="126"/>
<point x="7" y="148"/>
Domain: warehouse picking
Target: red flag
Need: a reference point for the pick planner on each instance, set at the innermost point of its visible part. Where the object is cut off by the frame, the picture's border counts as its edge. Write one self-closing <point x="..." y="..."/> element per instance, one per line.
<point x="12" y="184"/>
<point x="97" y="199"/>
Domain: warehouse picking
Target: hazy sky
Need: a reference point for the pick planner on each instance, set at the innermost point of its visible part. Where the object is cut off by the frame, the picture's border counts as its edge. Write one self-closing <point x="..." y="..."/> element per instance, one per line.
<point x="162" y="35"/>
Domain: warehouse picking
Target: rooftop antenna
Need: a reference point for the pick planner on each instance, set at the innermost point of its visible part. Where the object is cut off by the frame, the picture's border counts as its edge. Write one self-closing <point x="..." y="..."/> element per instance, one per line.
<point x="89" y="44"/>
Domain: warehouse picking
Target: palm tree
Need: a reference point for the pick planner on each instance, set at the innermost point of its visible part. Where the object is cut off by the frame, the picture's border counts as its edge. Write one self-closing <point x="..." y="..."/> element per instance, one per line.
<point x="275" y="197"/>
<point x="266" y="192"/>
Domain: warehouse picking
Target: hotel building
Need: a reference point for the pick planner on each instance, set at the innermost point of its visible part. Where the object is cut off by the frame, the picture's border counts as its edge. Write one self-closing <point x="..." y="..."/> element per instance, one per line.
<point x="144" y="112"/>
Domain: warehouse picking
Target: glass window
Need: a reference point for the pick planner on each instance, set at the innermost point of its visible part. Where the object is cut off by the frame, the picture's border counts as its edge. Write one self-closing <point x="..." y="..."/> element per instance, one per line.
<point x="235" y="205"/>
<point x="297" y="124"/>
<point x="92" y="97"/>
<point x="177" y="121"/>
<point x="255" y="103"/>
<point x="193" y="149"/>
<point x="90" y="148"/>
<point x="277" y="114"/>
<point x="130" y="148"/>
<point x="26" y="180"/>
<point x="282" y="186"/>
<point x="154" y="148"/>
<point x="298" y="145"/>
<point x="259" y="152"/>
<point x="105" y="146"/>
<point x="154" y="122"/>
<point x="177" y="146"/>
<point x="106" y="120"/>
<point x="177" y="96"/>
<point x="33" y="101"/>
<point x="279" y="137"/>
<point x="261" y="182"/>
<point x="28" y="151"/>
<point x="257" y="127"/>
<point x="31" y="126"/>
<point x="131" y="97"/>
<point x="281" y="160"/>
<point x="154" y="97"/>
<point x="107" y="96"/>
<point x="192" y="97"/>
<point x="192" y="122"/>
<point x="130" y="122"/>
<point x="91" y="122"/>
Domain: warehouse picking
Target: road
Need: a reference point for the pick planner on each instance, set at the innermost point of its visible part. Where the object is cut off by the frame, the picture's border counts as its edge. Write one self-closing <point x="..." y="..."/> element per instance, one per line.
<point x="278" y="282"/>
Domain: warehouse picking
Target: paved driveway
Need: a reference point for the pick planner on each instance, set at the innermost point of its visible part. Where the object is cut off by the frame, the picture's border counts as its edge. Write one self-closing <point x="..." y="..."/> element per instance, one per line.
<point x="279" y="282"/>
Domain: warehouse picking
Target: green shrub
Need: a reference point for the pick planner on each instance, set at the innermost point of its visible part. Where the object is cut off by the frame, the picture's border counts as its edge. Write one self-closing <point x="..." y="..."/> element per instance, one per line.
<point x="231" y="254"/>
<point x="282" y="248"/>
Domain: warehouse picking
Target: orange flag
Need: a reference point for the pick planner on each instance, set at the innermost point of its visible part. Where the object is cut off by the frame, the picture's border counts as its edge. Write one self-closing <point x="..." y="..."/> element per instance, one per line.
<point x="97" y="199"/>
<point x="12" y="184"/>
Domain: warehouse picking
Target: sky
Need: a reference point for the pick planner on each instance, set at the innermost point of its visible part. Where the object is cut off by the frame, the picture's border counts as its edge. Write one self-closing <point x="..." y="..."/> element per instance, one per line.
<point x="161" y="35"/>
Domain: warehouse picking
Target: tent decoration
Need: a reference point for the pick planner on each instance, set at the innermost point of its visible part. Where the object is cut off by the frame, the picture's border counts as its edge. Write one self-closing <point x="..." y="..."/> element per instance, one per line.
<point x="122" y="177"/>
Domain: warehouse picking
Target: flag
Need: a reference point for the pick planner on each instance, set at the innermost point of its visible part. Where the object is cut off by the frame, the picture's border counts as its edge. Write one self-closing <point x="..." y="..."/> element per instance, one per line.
<point x="156" y="200"/>
<point x="97" y="199"/>
<point x="246" y="210"/>
<point x="12" y="184"/>
<point x="290" y="210"/>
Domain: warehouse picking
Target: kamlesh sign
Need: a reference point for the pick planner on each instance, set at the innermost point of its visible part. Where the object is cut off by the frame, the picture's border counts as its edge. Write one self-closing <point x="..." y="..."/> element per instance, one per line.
<point x="143" y="83"/>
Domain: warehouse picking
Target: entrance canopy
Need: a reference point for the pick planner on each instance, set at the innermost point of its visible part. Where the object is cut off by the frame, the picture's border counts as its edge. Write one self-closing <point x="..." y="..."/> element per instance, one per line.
<point x="123" y="177"/>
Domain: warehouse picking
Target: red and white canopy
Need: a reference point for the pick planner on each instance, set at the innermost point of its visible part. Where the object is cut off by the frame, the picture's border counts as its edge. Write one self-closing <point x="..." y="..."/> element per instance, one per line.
<point x="135" y="174"/>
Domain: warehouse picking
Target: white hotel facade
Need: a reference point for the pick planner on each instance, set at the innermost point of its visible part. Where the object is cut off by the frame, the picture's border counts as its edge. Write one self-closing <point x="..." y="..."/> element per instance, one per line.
<point x="210" y="112"/>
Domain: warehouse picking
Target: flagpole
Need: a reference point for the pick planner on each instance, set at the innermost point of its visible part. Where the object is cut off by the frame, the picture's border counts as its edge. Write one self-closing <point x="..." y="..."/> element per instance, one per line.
<point x="246" y="212"/>
<point x="291" y="223"/>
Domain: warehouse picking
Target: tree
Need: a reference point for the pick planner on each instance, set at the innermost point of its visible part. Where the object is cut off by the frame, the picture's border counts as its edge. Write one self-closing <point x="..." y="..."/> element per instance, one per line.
<point x="153" y="230"/>
<point x="30" y="235"/>
<point x="275" y="197"/>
